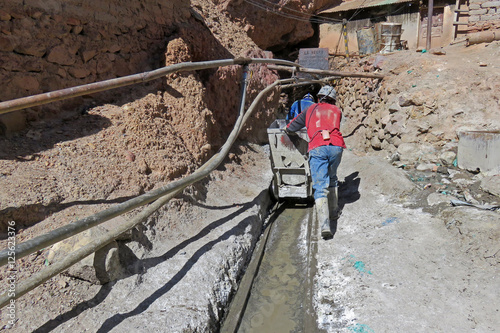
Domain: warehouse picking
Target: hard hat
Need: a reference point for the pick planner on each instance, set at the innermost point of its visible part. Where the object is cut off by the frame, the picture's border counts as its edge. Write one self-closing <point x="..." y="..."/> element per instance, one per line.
<point x="308" y="96"/>
<point x="328" y="91"/>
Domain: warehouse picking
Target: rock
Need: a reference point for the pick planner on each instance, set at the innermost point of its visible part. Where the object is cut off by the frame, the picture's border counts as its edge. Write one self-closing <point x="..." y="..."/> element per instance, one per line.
<point x="100" y="267"/>
<point x="386" y="120"/>
<point x="114" y="48"/>
<point x="423" y="127"/>
<point x="7" y="44"/>
<point x="4" y="16"/>
<point x="88" y="54"/>
<point x="375" y="143"/>
<point x="447" y="158"/>
<point x="394" y="129"/>
<point x="61" y="55"/>
<point x="73" y="21"/>
<point x="491" y="184"/>
<point x="408" y="151"/>
<point x="438" y="51"/>
<point x="437" y="198"/>
<point x="79" y="72"/>
<point x="130" y="156"/>
<point x="394" y="107"/>
<point x="442" y="170"/>
<point x="426" y="167"/>
<point x="77" y="29"/>
<point x="143" y="168"/>
<point x="26" y="83"/>
<point x="469" y="198"/>
<point x="35" y="50"/>
<point x="404" y="101"/>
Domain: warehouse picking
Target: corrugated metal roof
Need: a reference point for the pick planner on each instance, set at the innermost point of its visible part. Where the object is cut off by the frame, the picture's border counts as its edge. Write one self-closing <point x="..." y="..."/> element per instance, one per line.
<point x="355" y="4"/>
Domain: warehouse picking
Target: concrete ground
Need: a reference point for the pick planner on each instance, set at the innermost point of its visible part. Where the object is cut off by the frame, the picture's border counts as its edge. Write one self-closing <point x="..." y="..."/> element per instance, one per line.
<point x="391" y="268"/>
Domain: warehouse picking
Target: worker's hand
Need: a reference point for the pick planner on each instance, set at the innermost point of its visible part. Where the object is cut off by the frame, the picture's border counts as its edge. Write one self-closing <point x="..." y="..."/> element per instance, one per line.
<point x="288" y="132"/>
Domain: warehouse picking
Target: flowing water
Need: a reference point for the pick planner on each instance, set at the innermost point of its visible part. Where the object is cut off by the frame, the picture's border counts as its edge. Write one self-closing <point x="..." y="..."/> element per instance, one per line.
<point x="280" y="297"/>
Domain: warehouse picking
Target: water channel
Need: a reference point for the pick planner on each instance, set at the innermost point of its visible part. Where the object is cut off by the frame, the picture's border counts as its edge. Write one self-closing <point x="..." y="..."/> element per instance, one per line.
<point x="280" y="296"/>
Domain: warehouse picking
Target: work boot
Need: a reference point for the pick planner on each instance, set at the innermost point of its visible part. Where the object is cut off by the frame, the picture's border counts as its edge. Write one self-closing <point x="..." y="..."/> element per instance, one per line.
<point x="323" y="217"/>
<point x="333" y="202"/>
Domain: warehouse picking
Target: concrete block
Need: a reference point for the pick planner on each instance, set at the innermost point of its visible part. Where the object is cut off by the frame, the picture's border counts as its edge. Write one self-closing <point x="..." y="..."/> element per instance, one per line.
<point x="491" y="4"/>
<point x="479" y="150"/>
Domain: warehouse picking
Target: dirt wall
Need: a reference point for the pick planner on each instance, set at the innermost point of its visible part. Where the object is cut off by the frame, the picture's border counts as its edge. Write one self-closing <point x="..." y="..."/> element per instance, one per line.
<point x="51" y="45"/>
<point x="276" y="26"/>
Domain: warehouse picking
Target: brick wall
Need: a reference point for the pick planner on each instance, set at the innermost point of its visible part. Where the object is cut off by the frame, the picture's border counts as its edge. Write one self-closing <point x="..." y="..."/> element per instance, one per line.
<point x="484" y="15"/>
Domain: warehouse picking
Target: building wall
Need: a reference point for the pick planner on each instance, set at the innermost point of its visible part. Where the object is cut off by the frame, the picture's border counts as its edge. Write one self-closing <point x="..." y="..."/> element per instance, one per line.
<point x="331" y="34"/>
<point x="443" y="30"/>
<point x="483" y="15"/>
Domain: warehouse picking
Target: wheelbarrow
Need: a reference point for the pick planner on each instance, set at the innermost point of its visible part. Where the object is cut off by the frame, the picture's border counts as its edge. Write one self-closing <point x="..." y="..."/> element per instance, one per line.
<point x="289" y="162"/>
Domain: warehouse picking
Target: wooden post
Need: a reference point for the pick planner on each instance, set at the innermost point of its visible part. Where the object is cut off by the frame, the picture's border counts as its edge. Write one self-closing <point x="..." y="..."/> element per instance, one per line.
<point x="429" y="23"/>
<point x="346" y="40"/>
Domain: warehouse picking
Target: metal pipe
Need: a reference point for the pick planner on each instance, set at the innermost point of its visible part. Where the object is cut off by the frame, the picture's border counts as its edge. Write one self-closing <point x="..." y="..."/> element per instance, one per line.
<point x="30" y="101"/>
<point x="72" y="258"/>
<point x="327" y="72"/>
<point x="429" y="24"/>
<point x="78" y="226"/>
<point x="75" y="256"/>
<point x="309" y="81"/>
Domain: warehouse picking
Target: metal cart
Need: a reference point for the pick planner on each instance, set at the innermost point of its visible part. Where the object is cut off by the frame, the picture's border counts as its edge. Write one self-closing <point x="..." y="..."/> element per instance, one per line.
<point x="290" y="164"/>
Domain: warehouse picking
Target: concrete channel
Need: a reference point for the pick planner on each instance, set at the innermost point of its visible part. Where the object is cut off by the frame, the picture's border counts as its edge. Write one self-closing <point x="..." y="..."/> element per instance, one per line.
<point x="276" y="292"/>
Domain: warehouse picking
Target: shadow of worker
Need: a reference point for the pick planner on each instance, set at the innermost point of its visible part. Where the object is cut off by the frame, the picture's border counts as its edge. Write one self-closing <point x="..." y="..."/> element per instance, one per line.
<point x="348" y="193"/>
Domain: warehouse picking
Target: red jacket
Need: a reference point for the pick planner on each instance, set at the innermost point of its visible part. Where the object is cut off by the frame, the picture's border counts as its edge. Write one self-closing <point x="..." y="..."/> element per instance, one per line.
<point x="320" y="116"/>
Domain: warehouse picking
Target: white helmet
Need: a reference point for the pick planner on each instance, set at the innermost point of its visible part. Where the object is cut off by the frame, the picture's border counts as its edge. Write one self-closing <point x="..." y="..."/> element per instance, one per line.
<point x="327" y="91"/>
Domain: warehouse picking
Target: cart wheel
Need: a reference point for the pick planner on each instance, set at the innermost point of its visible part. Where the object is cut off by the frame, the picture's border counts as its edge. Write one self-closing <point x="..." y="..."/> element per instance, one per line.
<point x="273" y="190"/>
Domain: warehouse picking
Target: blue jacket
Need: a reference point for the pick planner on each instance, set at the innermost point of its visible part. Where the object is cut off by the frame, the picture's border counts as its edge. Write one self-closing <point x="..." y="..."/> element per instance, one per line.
<point x="298" y="107"/>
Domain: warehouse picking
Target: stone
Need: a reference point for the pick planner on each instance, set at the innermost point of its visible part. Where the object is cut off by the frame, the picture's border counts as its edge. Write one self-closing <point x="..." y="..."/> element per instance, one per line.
<point x="77" y="29"/>
<point x="26" y="83"/>
<point x="4" y="16"/>
<point x="79" y="72"/>
<point x="375" y="143"/>
<point x="394" y="107"/>
<point x="100" y="267"/>
<point x="437" y="198"/>
<point x="7" y="44"/>
<point x="447" y="158"/>
<point x="114" y="48"/>
<point x="394" y="129"/>
<point x="423" y="127"/>
<point x="491" y="184"/>
<point x="88" y="54"/>
<point x="381" y="134"/>
<point x="61" y="55"/>
<point x="32" y="49"/>
<point x="404" y="101"/>
<point x="426" y="167"/>
<point x="386" y="120"/>
<point x="73" y="21"/>
<point x="409" y="151"/>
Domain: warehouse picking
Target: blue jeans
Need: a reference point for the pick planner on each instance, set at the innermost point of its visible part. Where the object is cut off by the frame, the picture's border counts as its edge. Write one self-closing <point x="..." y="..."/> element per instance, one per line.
<point x="324" y="161"/>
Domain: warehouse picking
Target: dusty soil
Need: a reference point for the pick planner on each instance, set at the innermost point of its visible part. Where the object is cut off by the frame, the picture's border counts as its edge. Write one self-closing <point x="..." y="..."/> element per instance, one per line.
<point x="60" y="170"/>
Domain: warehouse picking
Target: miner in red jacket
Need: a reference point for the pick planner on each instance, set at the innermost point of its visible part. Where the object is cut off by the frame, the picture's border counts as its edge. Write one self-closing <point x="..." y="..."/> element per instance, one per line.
<point x="326" y="144"/>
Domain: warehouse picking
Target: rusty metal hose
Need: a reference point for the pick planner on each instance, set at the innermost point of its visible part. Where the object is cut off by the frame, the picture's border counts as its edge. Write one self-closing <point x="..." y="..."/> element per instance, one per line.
<point x="26" y="102"/>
